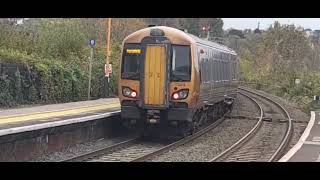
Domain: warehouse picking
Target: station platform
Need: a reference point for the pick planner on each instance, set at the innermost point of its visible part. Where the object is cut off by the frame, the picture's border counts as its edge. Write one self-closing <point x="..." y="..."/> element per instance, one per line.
<point x="37" y="117"/>
<point x="308" y="147"/>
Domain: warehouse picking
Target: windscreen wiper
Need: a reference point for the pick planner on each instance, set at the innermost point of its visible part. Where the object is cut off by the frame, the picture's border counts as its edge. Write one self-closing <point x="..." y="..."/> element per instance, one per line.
<point x="131" y="76"/>
<point x="177" y="77"/>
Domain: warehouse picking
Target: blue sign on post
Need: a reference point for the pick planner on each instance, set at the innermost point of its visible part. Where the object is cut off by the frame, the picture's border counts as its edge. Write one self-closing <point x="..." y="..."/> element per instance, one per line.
<point x="92" y="42"/>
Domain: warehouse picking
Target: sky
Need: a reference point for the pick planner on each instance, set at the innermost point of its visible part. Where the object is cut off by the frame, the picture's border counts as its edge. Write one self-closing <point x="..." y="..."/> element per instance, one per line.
<point x="252" y="23"/>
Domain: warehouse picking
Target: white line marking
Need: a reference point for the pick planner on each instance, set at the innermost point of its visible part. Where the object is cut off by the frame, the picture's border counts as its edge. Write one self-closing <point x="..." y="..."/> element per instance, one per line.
<point x="302" y="139"/>
<point x="318" y="159"/>
<point x="316" y="138"/>
<point x="311" y="143"/>
<point x="55" y="123"/>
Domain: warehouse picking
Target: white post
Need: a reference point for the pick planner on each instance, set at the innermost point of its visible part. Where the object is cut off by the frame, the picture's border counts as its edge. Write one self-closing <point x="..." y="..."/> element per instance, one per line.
<point x="90" y="69"/>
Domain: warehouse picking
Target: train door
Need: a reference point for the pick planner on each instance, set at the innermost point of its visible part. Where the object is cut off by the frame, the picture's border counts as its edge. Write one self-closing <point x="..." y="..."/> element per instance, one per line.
<point x="155" y="75"/>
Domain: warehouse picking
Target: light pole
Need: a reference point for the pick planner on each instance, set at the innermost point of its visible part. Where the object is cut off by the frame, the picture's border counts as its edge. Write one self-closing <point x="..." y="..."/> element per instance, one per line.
<point x="92" y="44"/>
<point x="107" y="73"/>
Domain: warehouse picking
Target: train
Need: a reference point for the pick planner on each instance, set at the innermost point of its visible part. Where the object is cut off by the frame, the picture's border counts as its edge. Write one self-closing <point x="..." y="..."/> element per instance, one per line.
<point x="170" y="79"/>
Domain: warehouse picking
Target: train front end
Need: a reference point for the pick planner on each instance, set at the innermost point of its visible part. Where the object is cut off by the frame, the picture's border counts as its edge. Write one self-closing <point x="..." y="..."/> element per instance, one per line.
<point x="155" y="83"/>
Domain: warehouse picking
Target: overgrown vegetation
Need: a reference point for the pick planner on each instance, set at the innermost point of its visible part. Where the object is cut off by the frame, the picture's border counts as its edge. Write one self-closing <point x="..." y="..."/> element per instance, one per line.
<point x="274" y="60"/>
<point x="46" y="60"/>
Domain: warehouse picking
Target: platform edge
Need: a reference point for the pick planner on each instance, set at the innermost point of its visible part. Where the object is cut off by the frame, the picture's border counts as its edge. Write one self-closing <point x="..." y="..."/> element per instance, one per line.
<point x="302" y="139"/>
<point x="15" y="130"/>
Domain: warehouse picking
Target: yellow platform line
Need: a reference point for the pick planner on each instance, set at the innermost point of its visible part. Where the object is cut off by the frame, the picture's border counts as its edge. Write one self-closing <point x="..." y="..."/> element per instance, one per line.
<point x="57" y="113"/>
<point x="56" y="110"/>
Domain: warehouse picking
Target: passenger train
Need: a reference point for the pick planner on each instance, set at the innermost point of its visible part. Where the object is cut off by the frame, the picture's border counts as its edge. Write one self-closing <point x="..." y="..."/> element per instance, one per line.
<point x="171" y="79"/>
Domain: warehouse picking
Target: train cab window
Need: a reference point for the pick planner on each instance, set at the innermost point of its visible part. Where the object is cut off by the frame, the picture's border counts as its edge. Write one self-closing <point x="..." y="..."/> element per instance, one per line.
<point x="131" y="61"/>
<point x="181" y="63"/>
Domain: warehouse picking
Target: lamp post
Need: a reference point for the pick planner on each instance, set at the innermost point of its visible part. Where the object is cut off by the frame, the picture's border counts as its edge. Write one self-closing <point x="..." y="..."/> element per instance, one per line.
<point x="107" y="73"/>
<point x="92" y="44"/>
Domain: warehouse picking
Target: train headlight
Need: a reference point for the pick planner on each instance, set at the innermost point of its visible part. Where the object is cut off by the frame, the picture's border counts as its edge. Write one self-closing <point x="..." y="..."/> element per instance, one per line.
<point x="182" y="94"/>
<point x="126" y="91"/>
<point x="175" y="96"/>
<point x="129" y="92"/>
<point x="133" y="94"/>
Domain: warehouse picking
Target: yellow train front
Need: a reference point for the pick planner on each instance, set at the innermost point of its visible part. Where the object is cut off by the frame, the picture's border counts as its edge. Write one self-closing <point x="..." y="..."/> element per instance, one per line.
<point x="172" y="79"/>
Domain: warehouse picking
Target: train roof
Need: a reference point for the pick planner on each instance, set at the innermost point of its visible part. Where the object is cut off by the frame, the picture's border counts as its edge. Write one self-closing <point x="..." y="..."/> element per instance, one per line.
<point x="212" y="44"/>
<point x="176" y="36"/>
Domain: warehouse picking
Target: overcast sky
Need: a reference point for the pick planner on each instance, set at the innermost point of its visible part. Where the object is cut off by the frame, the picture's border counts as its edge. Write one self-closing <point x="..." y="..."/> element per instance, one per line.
<point x="252" y="23"/>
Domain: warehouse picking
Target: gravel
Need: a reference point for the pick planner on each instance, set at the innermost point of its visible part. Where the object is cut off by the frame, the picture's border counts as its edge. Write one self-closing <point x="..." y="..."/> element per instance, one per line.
<point x="300" y="118"/>
<point x="244" y="107"/>
<point x="219" y="139"/>
<point x="262" y="146"/>
<point x="79" y="149"/>
<point x="210" y="144"/>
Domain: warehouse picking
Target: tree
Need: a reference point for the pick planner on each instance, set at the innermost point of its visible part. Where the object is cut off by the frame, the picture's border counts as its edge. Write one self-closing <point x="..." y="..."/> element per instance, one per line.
<point x="236" y="32"/>
<point x="193" y="25"/>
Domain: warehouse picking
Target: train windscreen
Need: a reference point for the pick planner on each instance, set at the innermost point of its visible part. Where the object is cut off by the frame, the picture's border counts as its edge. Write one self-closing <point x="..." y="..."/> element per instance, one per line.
<point x="131" y="62"/>
<point x="181" y="63"/>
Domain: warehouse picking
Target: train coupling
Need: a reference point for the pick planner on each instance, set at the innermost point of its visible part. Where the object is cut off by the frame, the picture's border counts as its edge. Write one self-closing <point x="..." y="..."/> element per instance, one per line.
<point x="153" y="121"/>
<point x="153" y="116"/>
<point x="228" y="100"/>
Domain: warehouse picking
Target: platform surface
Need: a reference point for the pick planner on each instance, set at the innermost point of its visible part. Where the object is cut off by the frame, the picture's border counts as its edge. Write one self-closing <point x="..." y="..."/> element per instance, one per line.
<point x="14" y="118"/>
<point x="308" y="147"/>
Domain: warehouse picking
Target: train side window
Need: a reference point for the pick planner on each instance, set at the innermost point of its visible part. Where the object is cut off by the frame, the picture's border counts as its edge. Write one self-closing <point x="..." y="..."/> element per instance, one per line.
<point x="215" y="70"/>
<point x="222" y="71"/>
<point x="232" y="70"/>
<point x="211" y="69"/>
<point x="225" y="71"/>
<point x="219" y="70"/>
<point x="202" y="70"/>
<point x="228" y="70"/>
<point x="207" y="70"/>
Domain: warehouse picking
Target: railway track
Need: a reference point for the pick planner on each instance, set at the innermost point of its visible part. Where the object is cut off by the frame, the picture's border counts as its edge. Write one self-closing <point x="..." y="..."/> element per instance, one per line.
<point x="262" y="143"/>
<point x="266" y="141"/>
<point x="138" y="149"/>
